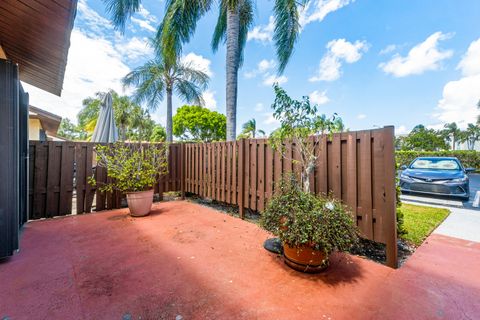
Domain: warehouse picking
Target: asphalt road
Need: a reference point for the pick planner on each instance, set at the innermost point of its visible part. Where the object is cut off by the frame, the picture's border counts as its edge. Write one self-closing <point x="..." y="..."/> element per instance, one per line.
<point x="450" y="201"/>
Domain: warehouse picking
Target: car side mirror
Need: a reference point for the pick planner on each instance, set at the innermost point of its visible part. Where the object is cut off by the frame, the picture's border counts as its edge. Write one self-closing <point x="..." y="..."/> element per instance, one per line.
<point x="468" y="170"/>
<point x="403" y="167"/>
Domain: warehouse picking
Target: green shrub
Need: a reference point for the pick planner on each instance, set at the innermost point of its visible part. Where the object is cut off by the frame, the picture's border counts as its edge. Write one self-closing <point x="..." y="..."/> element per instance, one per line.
<point x="302" y="218"/>
<point x="469" y="159"/>
<point x="133" y="167"/>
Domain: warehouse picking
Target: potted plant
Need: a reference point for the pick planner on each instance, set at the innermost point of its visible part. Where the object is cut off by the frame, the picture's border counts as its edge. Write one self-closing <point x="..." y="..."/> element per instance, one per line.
<point x="310" y="227"/>
<point x="134" y="169"/>
<point x="305" y="223"/>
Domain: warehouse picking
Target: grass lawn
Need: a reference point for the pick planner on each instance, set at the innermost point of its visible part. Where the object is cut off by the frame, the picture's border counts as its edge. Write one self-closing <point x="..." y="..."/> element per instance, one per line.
<point x="420" y="221"/>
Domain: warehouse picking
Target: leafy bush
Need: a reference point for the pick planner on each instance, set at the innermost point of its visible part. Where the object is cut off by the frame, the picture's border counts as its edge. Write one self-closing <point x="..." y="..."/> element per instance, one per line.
<point x="301" y="218"/>
<point x="133" y="167"/>
<point x="469" y="159"/>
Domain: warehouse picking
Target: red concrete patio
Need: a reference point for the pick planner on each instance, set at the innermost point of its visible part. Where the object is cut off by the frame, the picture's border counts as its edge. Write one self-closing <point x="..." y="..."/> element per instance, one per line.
<point x="191" y="261"/>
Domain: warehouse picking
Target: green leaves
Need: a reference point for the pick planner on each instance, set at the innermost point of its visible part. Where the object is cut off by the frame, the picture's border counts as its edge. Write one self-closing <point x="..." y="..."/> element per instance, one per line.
<point x="133" y="167"/>
<point x="299" y="218"/>
<point x="121" y="10"/>
<point x="199" y="124"/>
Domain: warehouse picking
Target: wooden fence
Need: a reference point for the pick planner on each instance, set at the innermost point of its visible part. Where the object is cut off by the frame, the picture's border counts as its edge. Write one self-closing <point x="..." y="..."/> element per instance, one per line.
<point x="357" y="167"/>
<point x="58" y="170"/>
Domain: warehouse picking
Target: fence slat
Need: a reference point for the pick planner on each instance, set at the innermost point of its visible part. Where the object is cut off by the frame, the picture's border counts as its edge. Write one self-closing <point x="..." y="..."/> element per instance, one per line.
<point x="365" y="185"/>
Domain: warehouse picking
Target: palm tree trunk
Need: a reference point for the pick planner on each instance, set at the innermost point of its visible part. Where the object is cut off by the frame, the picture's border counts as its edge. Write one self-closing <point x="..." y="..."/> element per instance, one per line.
<point x="232" y="64"/>
<point x="169" y="115"/>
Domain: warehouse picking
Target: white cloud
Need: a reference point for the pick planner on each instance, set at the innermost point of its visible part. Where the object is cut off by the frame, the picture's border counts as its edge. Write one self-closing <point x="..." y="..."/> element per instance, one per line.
<point x="93" y="65"/>
<point x="209" y="98"/>
<point x="91" y="19"/>
<point x="361" y="116"/>
<point x="198" y="62"/>
<point x="262" y="67"/>
<point x="263" y="33"/>
<point x="319" y="98"/>
<point x="259" y="107"/>
<point x="425" y="56"/>
<point x="401" y="130"/>
<point x="270" y="79"/>
<point x="269" y="119"/>
<point x="317" y="10"/>
<point x="144" y="24"/>
<point x="339" y="51"/>
<point x="135" y="48"/>
<point x="388" y="49"/>
<point x="470" y="63"/>
<point x="460" y="97"/>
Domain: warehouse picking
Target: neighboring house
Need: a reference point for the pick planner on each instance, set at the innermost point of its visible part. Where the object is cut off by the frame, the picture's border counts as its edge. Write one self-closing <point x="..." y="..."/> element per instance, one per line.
<point x="42" y="125"/>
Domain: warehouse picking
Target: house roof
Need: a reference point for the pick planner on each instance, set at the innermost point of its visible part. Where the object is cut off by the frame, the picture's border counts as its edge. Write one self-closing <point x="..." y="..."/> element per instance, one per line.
<point x="50" y="122"/>
<point x="35" y="34"/>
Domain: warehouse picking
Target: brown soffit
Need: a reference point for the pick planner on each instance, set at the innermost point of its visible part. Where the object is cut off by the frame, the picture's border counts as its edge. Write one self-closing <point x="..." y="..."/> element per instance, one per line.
<point x="35" y="34"/>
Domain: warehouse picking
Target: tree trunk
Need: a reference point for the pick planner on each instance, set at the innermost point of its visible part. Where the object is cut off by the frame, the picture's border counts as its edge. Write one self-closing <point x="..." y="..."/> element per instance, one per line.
<point x="169" y="115"/>
<point x="232" y="64"/>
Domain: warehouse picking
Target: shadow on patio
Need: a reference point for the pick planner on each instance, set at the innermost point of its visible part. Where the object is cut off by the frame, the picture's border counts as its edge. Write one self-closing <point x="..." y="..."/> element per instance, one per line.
<point x="187" y="260"/>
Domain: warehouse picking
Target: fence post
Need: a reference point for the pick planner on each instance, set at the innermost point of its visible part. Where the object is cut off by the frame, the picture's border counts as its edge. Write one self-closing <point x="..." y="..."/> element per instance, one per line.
<point x="241" y="178"/>
<point x="390" y="197"/>
<point x="182" y="169"/>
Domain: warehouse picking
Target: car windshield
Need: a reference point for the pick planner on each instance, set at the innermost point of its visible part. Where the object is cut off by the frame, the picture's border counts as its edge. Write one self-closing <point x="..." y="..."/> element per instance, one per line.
<point x="435" y="164"/>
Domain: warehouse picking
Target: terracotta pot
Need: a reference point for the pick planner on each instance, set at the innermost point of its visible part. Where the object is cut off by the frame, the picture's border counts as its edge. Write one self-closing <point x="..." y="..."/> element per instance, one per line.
<point x="140" y="203"/>
<point x="305" y="258"/>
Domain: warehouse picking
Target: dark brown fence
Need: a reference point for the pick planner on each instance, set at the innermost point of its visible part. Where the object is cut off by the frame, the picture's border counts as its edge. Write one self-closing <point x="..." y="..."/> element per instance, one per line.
<point x="59" y="173"/>
<point x="357" y="167"/>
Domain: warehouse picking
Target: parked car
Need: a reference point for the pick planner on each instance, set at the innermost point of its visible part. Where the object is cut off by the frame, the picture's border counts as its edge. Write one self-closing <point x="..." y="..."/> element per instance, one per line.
<point x="437" y="176"/>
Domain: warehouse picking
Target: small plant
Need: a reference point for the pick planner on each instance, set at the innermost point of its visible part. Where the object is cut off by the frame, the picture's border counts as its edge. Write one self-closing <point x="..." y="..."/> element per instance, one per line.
<point x="301" y="218"/>
<point x="132" y="167"/>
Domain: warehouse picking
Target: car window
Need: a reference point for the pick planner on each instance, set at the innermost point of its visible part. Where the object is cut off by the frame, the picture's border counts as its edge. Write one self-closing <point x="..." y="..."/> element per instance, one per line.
<point x="435" y="164"/>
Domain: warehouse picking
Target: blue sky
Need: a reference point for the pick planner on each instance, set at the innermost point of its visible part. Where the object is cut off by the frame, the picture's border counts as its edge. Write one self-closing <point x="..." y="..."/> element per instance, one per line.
<point x="372" y="62"/>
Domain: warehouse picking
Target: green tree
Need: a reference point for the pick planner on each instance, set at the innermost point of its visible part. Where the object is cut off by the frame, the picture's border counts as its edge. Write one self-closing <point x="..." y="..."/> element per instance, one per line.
<point x="159" y="76"/>
<point x="158" y="134"/>
<point x="423" y="139"/>
<point x="235" y="18"/>
<point x="250" y="129"/>
<point x="70" y="131"/>
<point x="451" y="133"/>
<point x="199" y="124"/>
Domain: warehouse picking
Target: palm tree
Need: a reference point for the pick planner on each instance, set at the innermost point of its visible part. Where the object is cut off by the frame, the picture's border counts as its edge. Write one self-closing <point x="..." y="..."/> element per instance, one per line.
<point x="159" y="76"/>
<point x="451" y="133"/>
<point x="234" y="20"/>
<point x="470" y="135"/>
<point x="250" y="129"/>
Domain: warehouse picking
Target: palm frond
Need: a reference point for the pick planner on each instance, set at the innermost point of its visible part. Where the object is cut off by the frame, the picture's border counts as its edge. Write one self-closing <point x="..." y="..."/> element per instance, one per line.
<point x="121" y="10"/>
<point x="219" y="34"/>
<point x="179" y="24"/>
<point x="189" y="92"/>
<point x="246" y="22"/>
<point x="286" y="31"/>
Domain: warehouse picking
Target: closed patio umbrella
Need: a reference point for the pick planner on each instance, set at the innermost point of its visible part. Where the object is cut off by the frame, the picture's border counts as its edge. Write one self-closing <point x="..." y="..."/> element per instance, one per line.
<point x="105" y="130"/>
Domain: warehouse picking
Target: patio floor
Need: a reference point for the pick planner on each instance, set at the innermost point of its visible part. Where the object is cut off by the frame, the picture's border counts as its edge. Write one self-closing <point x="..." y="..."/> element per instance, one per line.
<point x="186" y="261"/>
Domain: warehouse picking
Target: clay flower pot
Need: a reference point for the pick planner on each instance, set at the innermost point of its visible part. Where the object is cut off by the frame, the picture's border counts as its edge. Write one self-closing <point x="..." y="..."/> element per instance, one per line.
<point x="305" y="258"/>
<point x="140" y="203"/>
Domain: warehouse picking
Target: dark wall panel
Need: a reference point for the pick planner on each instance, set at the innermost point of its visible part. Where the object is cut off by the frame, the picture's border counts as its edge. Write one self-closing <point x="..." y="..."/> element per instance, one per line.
<point x="9" y="151"/>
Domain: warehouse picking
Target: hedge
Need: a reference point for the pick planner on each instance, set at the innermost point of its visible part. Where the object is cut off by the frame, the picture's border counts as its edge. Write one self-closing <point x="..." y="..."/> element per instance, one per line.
<point x="469" y="159"/>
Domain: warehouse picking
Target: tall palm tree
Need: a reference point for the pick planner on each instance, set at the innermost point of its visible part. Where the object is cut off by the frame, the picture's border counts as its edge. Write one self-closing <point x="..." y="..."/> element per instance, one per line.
<point x="451" y="132"/>
<point x="471" y="135"/>
<point x="234" y="20"/>
<point x="161" y="76"/>
<point x="250" y="129"/>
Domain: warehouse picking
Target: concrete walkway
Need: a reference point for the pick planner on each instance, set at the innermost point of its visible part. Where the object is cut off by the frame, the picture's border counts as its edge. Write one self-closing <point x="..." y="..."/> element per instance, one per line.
<point x="186" y="261"/>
